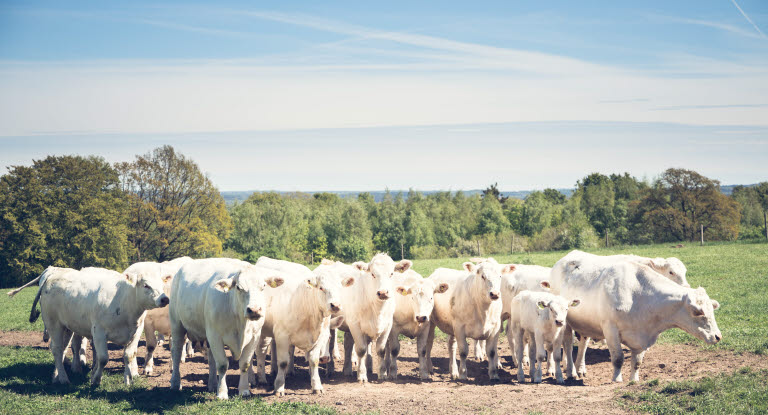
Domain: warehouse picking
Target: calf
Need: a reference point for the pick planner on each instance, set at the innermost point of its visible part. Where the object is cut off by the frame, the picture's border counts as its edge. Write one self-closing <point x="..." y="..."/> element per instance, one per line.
<point x="413" y="309"/>
<point x="98" y="304"/>
<point x="541" y="316"/>
<point x="630" y="303"/>
<point x="471" y="308"/>
<point x="219" y="301"/>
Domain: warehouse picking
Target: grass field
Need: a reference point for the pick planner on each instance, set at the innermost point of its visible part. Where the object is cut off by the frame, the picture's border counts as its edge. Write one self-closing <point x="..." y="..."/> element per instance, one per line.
<point x="734" y="274"/>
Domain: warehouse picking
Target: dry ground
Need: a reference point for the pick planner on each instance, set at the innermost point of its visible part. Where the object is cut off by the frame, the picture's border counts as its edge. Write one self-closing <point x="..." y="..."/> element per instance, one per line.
<point x="595" y="394"/>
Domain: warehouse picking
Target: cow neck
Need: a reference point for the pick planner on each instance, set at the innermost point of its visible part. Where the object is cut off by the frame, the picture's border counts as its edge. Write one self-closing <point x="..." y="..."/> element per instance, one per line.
<point x="127" y="300"/>
<point x="671" y="310"/>
<point x="305" y="304"/>
<point x="479" y="292"/>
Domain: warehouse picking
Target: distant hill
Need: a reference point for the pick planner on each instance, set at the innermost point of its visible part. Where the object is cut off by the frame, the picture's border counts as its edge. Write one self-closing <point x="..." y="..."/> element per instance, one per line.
<point x="378" y="196"/>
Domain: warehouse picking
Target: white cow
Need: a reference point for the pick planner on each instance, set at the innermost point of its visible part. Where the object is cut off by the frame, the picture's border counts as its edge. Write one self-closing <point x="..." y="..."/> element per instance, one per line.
<point x="413" y="308"/>
<point x="98" y="304"/>
<point x="671" y="268"/>
<point x="282" y="265"/>
<point x="157" y="320"/>
<point x="540" y="316"/>
<point x="629" y="303"/>
<point x="220" y="301"/>
<point x="41" y="278"/>
<point x="300" y="316"/>
<point x="471" y="308"/>
<point x="368" y="307"/>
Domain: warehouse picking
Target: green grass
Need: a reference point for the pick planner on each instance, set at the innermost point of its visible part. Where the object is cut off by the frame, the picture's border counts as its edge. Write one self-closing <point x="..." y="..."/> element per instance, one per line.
<point x="14" y="312"/>
<point x="743" y="392"/>
<point x="733" y="273"/>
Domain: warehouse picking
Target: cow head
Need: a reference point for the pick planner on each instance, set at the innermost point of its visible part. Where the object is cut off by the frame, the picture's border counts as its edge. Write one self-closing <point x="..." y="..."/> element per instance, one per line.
<point x="671" y="268"/>
<point x="487" y="276"/>
<point x="558" y="309"/>
<point x="379" y="273"/>
<point x="328" y="288"/>
<point x="150" y="290"/>
<point x="699" y="316"/>
<point x="245" y="289"/>
<point x="421" y="296"/>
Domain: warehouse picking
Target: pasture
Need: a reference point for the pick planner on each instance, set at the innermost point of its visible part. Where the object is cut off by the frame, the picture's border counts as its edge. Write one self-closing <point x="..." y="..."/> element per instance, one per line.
<point x="680" y="374"/>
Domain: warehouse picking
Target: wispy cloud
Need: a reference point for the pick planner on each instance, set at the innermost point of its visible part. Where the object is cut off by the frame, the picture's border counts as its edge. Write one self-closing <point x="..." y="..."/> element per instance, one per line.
<point x="749" y="20"/>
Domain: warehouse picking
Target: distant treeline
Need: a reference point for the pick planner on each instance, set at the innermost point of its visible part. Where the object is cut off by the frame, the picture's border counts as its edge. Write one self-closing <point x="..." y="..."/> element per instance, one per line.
<point x="81" y="211"/>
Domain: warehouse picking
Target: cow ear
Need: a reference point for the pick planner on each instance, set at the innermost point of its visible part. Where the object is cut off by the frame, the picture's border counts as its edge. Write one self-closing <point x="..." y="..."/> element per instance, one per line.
<point x="692" y="307"/>
<point x="545" y="284"/>
<point x="336" y="322"/>
<point x="575" y="303"/>
<point x="346" y="282"/>
<point x="541" y="305"/>
<point x="361" y="266"/>
<point x="470" y="267"/>
<point x="403" y="265"/>
<point x="224" y="285"/>
<point x="477" y="259"/>
<point x="715" y="304"/>
<point x="658" y="263"/>
<point x="167" y="278"/>
<point x="312" y="282"/>
<point x="443" y="287"/>
<point x="402" y="290"/>
<point x="508" y="269"/>
<point x="275" y="282"/>
<point x="131" y="278"/>
<point x="326" y="261"/>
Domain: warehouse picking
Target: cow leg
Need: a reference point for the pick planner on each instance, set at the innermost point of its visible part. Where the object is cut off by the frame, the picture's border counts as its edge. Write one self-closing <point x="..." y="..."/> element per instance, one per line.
<point x="177" y="337"/>
<point x="511" y="339"/>
<point x="531" y="356"/>
<point x="313" y="355"/>
<point x="333" y="350"/>
<point x="272" y="357"/>
<point x="570" y="369"/>
<point x="244" y="362"/>
<point x="361" y="349"/>
<point x="557" y="356"/>
<point x="129" y="355"/>
<point x="282" y="347"/>
<point x="479" y="350"/>
<point x="291" y="367"/>
<point x="541" y="355"/>
<point x="59" y="337"/>
<point x="613" y="339"/>
<point x="421" y="349"/>
<point x="261" y="357"/>
<point x="151" y="343"/>
<point x="348" y="345"/>
<point x="581" y="355"/>
<point x="461" y="341"/>
<point x="393" y="350"/>
<point x="637" y="361"/>
<point x="452" y="367"/>
<point x="213" y="380"/>
<point x="517" y="334"/>
<point x="77" y="365"/>
<point x="335" y="344"/>
<point x="46" y="337"/>
<point x="430" y="342"/>
<point x="492" y="352"/>
<point x="551" y="360"/>
<point x="189" y="350"/>
<point x="381" y="350"/>
<point x="102" y="352"/>
<point x="218" y="356"/>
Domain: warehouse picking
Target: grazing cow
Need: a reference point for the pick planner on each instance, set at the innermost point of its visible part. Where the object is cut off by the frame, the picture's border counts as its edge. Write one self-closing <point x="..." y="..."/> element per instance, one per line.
<point x="671" y="268"/>
<point x="157" y="320"/>
<point x="413" y="309"/>
<point x="98" y="304"/>
<point x="368" y="306"/>
<point x="220" y="301"/>
<point x="540" y="316"/>
<point x="300" y="316"/>
<point x="629" y="303"/>
<point x="471" y="308"/>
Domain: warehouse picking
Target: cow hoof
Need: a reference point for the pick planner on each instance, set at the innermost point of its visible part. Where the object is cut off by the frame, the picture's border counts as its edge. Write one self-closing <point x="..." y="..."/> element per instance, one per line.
<point x="148" y="371"/>
<point x="280" y="393"/>
<point x="495" y="380"/>
<point x="318" y="391"/>
<point x="245" y="393"/>
<point x="222" y="396"/>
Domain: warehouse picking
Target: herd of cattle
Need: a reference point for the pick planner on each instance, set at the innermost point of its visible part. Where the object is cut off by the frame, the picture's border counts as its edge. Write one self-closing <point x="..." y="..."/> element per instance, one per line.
<point x="247" y="308"/>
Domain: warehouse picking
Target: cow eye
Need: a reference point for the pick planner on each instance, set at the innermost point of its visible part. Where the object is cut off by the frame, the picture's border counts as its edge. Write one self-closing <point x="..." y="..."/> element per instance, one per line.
<point x="391" y="275"/>
<point x="147" y="286"/>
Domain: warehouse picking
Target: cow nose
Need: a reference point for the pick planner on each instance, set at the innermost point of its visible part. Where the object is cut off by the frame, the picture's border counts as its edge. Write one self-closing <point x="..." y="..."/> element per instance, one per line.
<point x="383" y="294"/>
<point x="559" y="323"/>
<point x="421" y="319"/>
<point x="335" y="307"/>
<point x="254" y="314"/>
<point x="717" y="338"/>
<point x="494" y="295"/>
<point x="164" y="301"/>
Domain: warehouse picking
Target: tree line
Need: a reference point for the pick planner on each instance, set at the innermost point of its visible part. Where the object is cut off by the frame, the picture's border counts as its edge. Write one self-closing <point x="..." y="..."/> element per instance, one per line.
<point x="79" y="211"/>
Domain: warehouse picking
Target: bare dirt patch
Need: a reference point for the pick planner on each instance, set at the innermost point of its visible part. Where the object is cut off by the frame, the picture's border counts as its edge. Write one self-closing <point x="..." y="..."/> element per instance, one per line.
<point x="595" y="394"/>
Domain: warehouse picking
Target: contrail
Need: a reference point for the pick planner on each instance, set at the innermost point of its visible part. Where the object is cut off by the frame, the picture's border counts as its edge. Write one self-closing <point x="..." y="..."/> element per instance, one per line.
<point x="749" y="20"/>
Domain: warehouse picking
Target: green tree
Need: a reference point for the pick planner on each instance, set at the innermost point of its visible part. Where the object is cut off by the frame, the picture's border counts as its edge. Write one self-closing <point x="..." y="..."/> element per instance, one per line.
<point x="554" y="196"/>
<point x="762" y="194"/>
<point x="492" y="219"/>
<point x="597" y="201"/>
<point x="175" y="209"/>
<point x="65" y="211"/>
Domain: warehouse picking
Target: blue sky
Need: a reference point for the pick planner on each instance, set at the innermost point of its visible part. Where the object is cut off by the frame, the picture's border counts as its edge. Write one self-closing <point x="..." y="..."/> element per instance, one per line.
<point x="430" y="95"/>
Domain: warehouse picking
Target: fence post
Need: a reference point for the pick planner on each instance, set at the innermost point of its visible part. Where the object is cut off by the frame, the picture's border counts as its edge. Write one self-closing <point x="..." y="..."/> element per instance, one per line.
<point x="402" y="251"/>
<point x="702" y="235"/>
<point x="606" y="238"/>
<point x="478" y="247"/>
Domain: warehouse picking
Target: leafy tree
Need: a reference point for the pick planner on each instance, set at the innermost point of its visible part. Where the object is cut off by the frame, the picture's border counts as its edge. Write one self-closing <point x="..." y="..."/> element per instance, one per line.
<point x="554" y="196"/>
<point x="65" y="211"/>
<point x="493" y="192"/>
<point x="762" y="193"/>
<point x="597" y="201"/>
<point x="175" y="209"/>
<point x="537" y="214"/>
<point x="492" y="219"/>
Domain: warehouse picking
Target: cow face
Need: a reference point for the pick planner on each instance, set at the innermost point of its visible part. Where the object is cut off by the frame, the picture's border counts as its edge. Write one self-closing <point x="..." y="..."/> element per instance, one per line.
<point x="421" y="296"/>
<point x="671" y="268"/>
<point x="487" y="276"/>
<point x="381" y="269"/>
<point x="558" y="309"/>
<point x="246" y="291"/>
<point x="149" y="290"/>
<point x="699" y="316"/>
<point x="328" y="287"/>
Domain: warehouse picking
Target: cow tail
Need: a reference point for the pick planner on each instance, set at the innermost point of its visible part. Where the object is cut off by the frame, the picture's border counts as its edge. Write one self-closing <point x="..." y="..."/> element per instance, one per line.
<point x="34" y="313"/>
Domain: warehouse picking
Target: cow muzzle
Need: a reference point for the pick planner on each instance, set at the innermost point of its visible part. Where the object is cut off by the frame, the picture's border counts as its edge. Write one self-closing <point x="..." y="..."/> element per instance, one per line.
<point x="718" y="337"/>
<point x="335" y="307"/>
<point x="383" y="295"/>
<point x="163" y="301"/>
<point x="494" y="295"/>
<point x="559" y="323"/>
<point x="254" y="314"/>
<point x="422" y="319"/>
